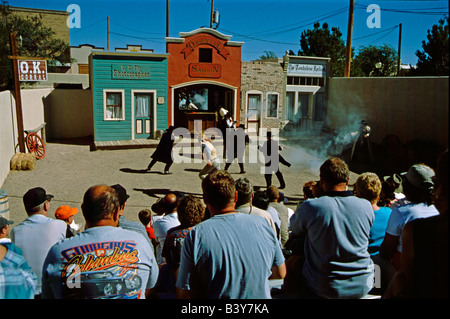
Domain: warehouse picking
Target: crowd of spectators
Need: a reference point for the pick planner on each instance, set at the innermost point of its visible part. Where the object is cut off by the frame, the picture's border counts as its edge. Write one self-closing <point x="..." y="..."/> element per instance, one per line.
<point x="231" y="242"/>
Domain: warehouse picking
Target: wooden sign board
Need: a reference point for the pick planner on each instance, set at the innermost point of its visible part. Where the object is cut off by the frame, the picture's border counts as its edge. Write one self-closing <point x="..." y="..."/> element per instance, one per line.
<point x="32" y="70"/>
<point x="205" y="70"/>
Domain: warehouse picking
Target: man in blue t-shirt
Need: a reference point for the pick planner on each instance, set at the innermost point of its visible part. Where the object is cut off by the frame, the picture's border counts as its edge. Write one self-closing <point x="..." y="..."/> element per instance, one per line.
<point x="230" y="255"/>
<point x="336" y="228"/>
<point x="103" y="261"/>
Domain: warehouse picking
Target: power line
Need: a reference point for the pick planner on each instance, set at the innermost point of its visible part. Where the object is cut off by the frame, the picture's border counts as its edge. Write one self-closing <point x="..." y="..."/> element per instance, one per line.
<point x="410" y="11"/>
<point x="262" y="33"/>
<point x="87" y="27"/>
<point x="257" y="39"/>
<point x="139" y="31"/>
<point x="371" y="35"/>
<point x="314" y="19"/>
<point x="134" y="36"/>
<point x="383" y="36"/>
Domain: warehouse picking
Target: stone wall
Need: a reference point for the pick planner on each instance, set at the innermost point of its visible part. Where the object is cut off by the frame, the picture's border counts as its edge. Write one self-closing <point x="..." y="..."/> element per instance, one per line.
<point x="264" y="77"/>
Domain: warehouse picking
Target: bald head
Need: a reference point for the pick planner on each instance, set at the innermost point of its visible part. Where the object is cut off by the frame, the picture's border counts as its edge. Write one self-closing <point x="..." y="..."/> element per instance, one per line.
<point x="100" y="202"/>
<point x="170" y="202"/>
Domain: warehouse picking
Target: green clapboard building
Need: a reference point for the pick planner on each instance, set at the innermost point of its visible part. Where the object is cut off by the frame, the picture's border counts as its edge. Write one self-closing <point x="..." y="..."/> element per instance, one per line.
<point x="129" y="95"/>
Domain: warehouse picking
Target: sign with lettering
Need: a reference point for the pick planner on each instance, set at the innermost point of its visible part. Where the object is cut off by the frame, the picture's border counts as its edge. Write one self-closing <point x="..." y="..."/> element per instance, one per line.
<point x="130" y="72"/>
<point x="205" y="70"/>
<point x="32" y="70"/>
<point x="202" y="40"/>
<point x="307" y="69"/>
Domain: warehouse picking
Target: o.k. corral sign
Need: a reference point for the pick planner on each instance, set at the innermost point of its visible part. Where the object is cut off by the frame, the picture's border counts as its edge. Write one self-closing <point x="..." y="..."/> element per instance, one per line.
<point x="32" y="70"/>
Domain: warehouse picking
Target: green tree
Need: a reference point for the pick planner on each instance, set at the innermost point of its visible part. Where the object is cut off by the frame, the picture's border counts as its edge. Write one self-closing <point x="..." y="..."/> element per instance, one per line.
<point x="268" y="55"/>
<point x="323" y="42"/>
<point x="433" y="59"/>
<point x="375" y="61"/>
<point x="33" y="40"/>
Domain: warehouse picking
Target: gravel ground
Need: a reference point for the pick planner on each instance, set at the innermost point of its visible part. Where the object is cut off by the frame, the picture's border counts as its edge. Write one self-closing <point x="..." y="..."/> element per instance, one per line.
<point x="68" y="170"/>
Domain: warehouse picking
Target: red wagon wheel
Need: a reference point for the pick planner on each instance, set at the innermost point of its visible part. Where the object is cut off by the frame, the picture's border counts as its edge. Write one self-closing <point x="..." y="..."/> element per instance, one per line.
<point x="36" y="145"/>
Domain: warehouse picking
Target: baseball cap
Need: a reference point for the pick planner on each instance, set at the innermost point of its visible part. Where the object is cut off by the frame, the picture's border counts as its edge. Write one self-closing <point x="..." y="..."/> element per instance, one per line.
<point x="35" y="197"/>
<point x="65" y="211"/>
<point x="4" y="222"/>
<point x="122" y="192"/>
<point x="420" y="175"/>
<point x="396" y="180"/>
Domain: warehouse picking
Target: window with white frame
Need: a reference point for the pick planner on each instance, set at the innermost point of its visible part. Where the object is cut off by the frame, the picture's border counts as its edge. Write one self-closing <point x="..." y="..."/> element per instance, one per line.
<point x="113" y="101"/>
<point x="272" y="105"/>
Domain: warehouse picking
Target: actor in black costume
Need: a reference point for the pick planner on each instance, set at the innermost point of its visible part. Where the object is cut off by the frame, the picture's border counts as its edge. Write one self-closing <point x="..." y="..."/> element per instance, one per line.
<point x="163" y="152"/>
<point x="269" y="170"/>
<point x="362" y="142"/>
<point x="238" y="150"/>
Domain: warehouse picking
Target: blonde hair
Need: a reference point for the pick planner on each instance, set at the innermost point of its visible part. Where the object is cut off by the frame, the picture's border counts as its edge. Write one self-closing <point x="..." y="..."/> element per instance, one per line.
<point x="368" y="186"/>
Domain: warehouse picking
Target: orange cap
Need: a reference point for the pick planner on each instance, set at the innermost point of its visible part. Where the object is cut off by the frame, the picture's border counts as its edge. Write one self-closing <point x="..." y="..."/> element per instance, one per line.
<point x="64" y="212"/>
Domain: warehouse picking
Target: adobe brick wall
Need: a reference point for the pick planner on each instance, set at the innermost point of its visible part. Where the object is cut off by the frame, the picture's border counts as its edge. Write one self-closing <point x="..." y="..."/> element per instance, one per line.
<point x="56" y="20"/>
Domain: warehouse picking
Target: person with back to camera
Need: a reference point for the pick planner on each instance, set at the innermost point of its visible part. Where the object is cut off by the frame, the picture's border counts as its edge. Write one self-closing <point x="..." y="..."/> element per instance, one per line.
<point x="190" y="212"/>
<point x="418" y="189"/>
<point x="273" y="194"/>
<point x="424" y="264"/>
<point x="244" y="202"/>
<point x="368" y="186"/>
<point x="145" y="217"/>
<point x="38" y="233"/>
<point x="168" y="204"/>
<point x="66" y="213"/>
<point x="230" y="255"/>
<point x="17" y="279"/>
<point x="392" y="192"/>
<point x="103" y="261"/>
<point x="123" y="222"/>
<point x="336" y="227"/>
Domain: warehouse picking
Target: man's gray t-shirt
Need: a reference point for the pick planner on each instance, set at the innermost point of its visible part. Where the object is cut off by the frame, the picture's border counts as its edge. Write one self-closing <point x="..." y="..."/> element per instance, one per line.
<point x="337" y="228"/>
<point x="114" y="263"/>
<point x="230" y="256"/>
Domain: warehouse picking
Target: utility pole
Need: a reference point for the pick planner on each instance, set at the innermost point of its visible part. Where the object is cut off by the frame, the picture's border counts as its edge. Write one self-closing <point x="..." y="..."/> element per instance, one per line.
<point x="167" y="24"/>
<point x="17" y="95"/>
<point x="348" y="50"/>
<point x="107" y="34"/>
<point x="399" y="48"/>
<point x="212" y="14"/>
<point x="167" y="18"/>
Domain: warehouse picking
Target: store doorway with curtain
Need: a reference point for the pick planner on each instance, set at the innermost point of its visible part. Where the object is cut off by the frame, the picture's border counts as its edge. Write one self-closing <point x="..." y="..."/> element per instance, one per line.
<point x="143" y="109"/>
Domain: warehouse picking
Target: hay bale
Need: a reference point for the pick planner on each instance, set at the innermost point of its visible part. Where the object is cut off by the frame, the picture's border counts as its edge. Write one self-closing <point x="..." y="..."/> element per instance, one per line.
<point x="23" y="162"/>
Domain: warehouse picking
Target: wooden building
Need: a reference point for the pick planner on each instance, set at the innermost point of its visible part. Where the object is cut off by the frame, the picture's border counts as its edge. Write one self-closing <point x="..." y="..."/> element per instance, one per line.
<point x="204" y="74"/>
<point x="129" y="94"/>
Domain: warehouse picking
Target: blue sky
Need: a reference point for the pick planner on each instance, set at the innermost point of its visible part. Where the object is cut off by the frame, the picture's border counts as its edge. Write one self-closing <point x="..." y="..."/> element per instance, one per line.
<point x="263" y="25"/>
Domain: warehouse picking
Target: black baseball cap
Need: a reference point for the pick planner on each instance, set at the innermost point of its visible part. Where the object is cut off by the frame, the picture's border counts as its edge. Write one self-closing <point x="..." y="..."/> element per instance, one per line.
<point x="35" y="197"/>
<point x="122" y="192"/>
<point x="4" y="222"/>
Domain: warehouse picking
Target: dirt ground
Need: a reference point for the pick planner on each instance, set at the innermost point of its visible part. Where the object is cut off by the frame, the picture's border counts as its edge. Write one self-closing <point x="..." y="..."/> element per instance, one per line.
<point x="68" y="170"/>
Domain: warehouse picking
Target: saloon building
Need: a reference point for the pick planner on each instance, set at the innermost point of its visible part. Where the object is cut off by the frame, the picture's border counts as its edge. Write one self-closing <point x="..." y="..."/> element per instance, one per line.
<point x="204" y="74"/>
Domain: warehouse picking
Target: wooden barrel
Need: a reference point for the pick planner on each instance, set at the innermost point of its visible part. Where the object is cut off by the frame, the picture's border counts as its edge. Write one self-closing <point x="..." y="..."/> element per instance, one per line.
<point x="4" y="204"/>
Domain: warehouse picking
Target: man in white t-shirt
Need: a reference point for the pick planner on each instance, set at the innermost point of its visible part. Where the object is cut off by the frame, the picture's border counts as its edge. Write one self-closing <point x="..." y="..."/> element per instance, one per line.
<point x="38" y="233"/>
<point x="168" y="204"/>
